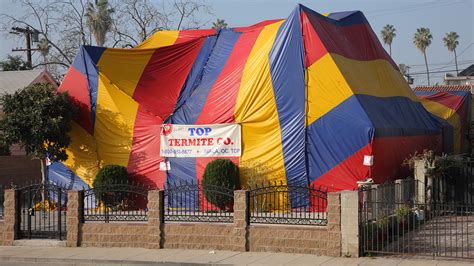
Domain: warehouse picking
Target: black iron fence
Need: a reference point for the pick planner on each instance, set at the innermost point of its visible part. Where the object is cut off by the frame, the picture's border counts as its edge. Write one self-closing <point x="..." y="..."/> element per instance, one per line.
<point x="195" y="202"/>
<point x="116" y="202"/>
<point x="429" y="229"/>
<point x="42" y="208"/>
<point x="278" y="203"/>
<point x="457" y="183"/>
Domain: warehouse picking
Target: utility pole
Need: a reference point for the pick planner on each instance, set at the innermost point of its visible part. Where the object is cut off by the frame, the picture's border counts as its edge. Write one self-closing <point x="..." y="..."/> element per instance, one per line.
<point x="29" y="33"/>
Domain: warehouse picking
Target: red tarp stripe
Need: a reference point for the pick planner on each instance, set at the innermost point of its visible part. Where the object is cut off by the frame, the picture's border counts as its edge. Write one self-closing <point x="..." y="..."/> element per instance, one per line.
<point x="314" y="48"/>
<point x="164" y="76"/>
<point x="344" y="175"/>
<point x="188" y="35"/>
<point x="221" y="100"/>
<point x="356" y="42"/>
<point x="144" y="161"/>
<point x="449" y="100"/>
<point x="390" y="152"/>
<point x="80" y="95"/>
<point x="256" y="26"/>
<point x="216" y="110"/>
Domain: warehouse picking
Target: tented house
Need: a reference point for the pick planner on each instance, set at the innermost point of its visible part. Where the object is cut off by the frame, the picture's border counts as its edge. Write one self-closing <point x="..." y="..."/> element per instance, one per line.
<point x="318" y="99"/>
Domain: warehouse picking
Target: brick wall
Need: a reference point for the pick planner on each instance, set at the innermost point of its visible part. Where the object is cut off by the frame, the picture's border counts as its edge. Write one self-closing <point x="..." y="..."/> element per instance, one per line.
<point x="198" y="236"/>
<point x="113" y="235"/>
<point x="237" y="236"/>
<point x="320" y="240"/>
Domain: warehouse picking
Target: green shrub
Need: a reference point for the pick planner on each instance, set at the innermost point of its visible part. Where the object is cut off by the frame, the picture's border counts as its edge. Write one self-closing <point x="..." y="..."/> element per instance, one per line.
<point x="105" y="184"/>
<point x="403" y="214"/>
<point x="220" y="173"/>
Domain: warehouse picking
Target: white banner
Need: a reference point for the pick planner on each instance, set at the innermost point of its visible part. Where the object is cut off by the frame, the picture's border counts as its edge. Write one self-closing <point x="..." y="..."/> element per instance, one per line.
<point x="219" y="140"/>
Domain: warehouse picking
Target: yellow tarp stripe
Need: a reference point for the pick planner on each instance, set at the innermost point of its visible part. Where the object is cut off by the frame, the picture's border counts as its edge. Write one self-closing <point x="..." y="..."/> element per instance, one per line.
<point x="257" y="112"/>
<point x="124" y="67"/>
<point x="334" y="78"/>
<point x="449" y="115"/>
<point x="160" y="39"/>
<point x="114" y="123"/>
<point x="82" y="154"/>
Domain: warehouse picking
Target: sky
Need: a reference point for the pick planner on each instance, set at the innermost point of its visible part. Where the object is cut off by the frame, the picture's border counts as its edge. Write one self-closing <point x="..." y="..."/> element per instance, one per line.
<point x="440" y="16"/>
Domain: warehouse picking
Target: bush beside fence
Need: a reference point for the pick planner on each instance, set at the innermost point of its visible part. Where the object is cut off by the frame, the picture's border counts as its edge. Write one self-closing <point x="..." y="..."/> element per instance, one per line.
<point x="116" y="203"/>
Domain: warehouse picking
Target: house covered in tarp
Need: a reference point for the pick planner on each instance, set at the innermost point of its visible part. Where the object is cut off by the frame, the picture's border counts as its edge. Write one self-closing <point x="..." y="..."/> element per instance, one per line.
<point x="454" y="106"/>
<point x="318" y="99"/>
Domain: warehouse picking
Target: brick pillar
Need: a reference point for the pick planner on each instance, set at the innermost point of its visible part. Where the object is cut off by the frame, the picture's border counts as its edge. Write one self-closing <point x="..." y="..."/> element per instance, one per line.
<point x="155" y="219"/>
<point x="11" y="221"/>
<point x="241" y="218"/>
<point x="334" y="224"/>
<point x="350" y="223"/>
<point x="75" y="203"/>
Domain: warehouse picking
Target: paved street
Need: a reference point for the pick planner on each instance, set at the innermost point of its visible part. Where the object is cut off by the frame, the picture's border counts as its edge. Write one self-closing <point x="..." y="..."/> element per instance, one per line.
<point x="139" y="256"/>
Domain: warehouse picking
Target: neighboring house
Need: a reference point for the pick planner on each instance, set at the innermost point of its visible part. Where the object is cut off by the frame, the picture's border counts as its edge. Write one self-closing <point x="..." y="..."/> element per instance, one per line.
<point x="465" y="77"/>
<point x="450" y="88"/>
<point x="454" y="88"/>
<point x="12" y="81"/>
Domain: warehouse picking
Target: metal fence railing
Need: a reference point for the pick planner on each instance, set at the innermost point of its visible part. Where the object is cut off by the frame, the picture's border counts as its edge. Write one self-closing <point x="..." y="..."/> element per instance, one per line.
<point x="116" y="203"/>
<point x="196" y="202"/>
<point x="427" y="229"/>
<point x="278" y="203"/>
<point x="457" y="184"/>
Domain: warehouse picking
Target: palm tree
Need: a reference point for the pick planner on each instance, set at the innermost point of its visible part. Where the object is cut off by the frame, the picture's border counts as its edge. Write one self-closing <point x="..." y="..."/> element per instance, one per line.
<point x="451" y="41"/>
<point x="219" y="24"/>
<point x="99" y="20"/>
<point x="422" y="39"/>
<point x="388" y="33"/>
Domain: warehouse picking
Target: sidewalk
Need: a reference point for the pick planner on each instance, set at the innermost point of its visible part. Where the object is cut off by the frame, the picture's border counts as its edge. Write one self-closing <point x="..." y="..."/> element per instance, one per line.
<point x="139" y="256"/>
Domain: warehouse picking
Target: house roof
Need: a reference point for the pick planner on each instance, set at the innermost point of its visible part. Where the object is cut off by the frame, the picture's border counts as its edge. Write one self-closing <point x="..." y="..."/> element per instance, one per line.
<point x="469" y="71"/>
<point x="11" y="81"/>
<point x="438" y="88"/>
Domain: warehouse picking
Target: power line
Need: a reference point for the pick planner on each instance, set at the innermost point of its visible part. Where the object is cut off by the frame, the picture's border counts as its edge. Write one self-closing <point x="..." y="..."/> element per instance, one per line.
<point x="408" y="10"/>
<point x="431" y="72"/>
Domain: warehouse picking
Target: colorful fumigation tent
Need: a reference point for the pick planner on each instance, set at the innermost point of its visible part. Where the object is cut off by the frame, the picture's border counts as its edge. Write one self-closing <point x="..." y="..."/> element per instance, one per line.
<point x="454" y="107"/>
<point x="318" y="99"/>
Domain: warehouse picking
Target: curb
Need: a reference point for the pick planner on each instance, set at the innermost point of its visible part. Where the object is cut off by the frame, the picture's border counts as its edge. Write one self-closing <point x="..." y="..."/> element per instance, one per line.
<point x="70" y="261"/>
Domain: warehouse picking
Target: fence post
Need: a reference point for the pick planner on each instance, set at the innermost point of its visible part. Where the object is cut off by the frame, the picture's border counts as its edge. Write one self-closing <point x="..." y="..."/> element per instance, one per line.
<point x="155" y="219"/>
<point x="11" y="217"/>
<point x="399" y="191"/>
<point x="350" y="223"/>
<point x="420" y="178"/>
<point x="75" y="209"/>
<point x="376" y="199"/>
<point x="334" y="224"/>
<point x="241" y="220"/>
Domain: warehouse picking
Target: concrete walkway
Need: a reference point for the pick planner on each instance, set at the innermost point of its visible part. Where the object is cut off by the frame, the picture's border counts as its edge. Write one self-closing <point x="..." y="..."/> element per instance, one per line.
<point x="19" y="255"/>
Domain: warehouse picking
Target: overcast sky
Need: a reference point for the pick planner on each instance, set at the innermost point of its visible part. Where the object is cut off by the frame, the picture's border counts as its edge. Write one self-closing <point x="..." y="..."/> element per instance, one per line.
<point x="440" y="16"/>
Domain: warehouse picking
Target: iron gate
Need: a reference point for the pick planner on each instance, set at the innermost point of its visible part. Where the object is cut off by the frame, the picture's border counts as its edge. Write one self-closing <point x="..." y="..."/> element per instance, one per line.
<point x="42" y="211"/>
<point x="409" y="225"/>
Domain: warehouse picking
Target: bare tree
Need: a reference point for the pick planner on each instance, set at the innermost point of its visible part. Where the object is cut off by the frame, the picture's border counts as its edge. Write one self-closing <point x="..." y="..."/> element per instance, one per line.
<point x="187" y="11"/>
<point x="137" y="20"/>
<point x="63" y="24"/>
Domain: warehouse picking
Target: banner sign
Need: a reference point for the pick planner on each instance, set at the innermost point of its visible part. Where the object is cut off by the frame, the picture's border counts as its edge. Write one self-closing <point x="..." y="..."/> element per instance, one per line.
<point x="219" y="140"/>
